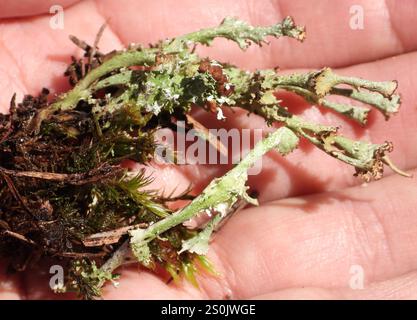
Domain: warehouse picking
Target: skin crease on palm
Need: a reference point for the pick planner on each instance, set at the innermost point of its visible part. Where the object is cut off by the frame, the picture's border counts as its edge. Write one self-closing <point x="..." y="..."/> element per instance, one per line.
<point x="315" y="221"/>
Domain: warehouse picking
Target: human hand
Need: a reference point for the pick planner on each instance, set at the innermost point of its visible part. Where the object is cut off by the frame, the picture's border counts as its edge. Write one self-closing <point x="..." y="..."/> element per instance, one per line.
<point x="316" y="224"/>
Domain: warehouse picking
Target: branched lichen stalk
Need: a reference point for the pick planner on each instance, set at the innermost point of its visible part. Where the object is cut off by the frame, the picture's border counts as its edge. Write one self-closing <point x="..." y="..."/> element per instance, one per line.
<point x="222" y="192"/>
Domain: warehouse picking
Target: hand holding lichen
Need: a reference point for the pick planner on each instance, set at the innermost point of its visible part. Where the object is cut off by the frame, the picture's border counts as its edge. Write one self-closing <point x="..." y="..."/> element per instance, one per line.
<point x="65" y="194"/>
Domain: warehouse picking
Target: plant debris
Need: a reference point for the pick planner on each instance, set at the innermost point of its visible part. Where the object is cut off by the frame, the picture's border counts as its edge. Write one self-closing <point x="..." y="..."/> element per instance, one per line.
<point x="64" y="192"/>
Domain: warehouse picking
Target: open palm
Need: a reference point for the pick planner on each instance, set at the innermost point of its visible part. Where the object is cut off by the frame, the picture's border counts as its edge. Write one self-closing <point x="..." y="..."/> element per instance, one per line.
<point x="317" y="230"/>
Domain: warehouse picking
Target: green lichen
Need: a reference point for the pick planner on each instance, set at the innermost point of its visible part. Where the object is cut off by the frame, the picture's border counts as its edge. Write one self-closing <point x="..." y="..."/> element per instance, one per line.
<point x="61" y="162"/>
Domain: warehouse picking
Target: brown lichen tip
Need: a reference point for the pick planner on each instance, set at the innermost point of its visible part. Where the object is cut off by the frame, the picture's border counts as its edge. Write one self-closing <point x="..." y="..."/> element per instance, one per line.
<point x="294" y="31"/>
<point x="375" y="169"/>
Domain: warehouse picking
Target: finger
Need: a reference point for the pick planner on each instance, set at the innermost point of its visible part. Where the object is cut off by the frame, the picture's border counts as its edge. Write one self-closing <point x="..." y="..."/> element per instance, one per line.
<point x="10" y="284"/>
<point x="402" y="287"/>
<point x="33" y="55"/>
<point x="142" y="285"/>
<point x="22" y="8"/>
<point x="331" y="39"/>
<point x="40" y="281"/>
<point x="135" y="283"/>
<point x="315" y="241"/>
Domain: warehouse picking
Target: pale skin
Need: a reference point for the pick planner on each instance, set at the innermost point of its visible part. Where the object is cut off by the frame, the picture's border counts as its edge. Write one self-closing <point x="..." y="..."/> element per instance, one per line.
<point x="316" y="227"/>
